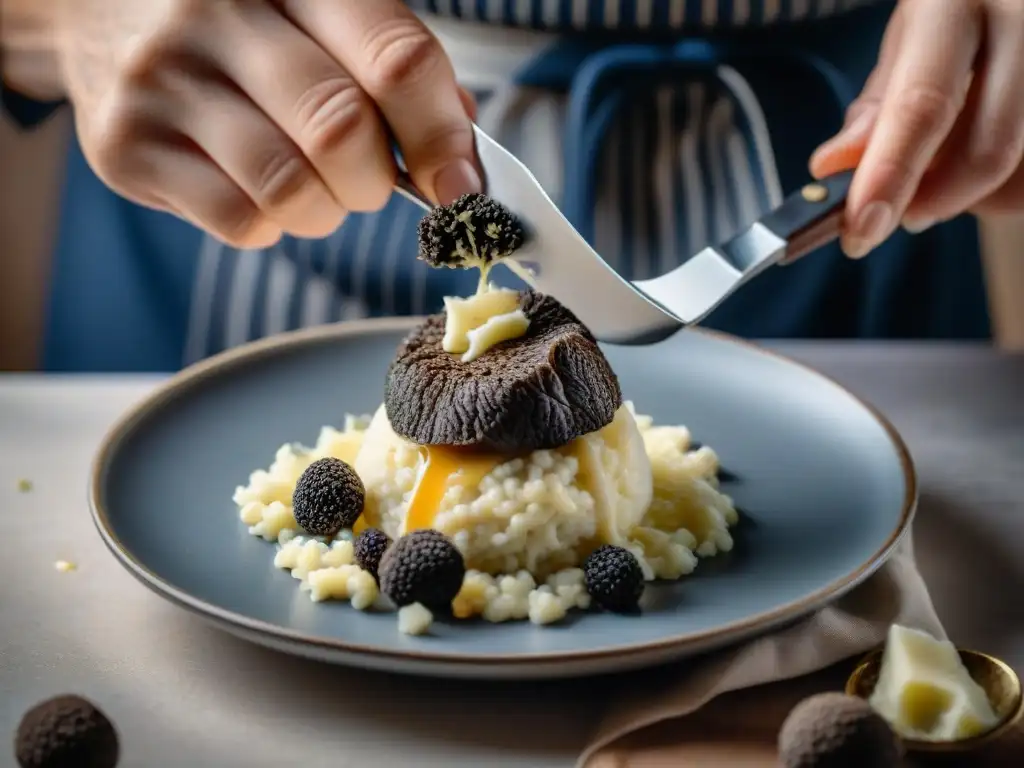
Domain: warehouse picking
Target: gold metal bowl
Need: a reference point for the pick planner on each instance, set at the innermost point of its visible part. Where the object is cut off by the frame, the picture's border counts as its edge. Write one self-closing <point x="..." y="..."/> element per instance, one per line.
<point x="998" y="680"/>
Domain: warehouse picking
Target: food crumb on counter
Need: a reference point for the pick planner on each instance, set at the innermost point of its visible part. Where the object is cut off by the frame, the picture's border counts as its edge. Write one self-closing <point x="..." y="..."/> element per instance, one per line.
<point x="65" y="566"/>
<point x="24" y="485"/>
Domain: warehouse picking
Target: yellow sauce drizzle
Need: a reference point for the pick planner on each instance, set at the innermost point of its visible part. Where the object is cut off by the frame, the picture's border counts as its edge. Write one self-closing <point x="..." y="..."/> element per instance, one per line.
<point x="444" y="466"/>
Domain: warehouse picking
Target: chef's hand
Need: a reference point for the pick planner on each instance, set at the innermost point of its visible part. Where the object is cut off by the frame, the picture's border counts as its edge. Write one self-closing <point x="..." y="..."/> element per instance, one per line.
<point x="939" y="128"/>
<point x="250" y="118"/>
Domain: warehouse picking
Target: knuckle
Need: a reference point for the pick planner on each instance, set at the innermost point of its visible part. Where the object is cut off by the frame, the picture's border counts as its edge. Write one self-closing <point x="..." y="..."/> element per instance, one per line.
<point x="399" y="53"/>
<point x="1000" y="155"/>
<point x="139" y="63"/>
<point x="437" y="147"/>
<point x="177" y="42"/>
<point x="994" y="161"/>
<point x="331" y="113"/>
<point x="233" y="215"/>
<point x="862" y="106"/>
<point x="892" y="175"/>
<point x="858" y="107"/>
<point x="282" y="175"/>
<point x="183" y="10"/>
<point x="1009" y="198"/>
<point x="185" y="17"/>
<point x="144" y="55"/>
<point x="114" y="132"/>
<point x="926" y="108"/>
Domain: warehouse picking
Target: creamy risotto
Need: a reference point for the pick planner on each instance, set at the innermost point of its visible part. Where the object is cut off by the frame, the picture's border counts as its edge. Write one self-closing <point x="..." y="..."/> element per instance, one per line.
<point x="524" y="524"/>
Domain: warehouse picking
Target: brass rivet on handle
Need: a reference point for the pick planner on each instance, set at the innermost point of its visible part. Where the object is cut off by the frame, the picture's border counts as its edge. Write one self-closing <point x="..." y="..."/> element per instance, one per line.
<point x="814" y="193"/>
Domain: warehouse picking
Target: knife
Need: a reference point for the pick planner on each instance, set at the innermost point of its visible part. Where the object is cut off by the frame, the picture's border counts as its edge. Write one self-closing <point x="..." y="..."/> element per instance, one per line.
<point x="555" y="259"/>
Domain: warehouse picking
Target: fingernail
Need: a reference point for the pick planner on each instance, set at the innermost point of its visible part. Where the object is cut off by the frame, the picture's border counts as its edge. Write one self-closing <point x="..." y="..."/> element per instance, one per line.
<point x="455" y="180"/>
<point x="872" y="226"/>
<point x="917" y="226"/>
<point x="855" y="249"/>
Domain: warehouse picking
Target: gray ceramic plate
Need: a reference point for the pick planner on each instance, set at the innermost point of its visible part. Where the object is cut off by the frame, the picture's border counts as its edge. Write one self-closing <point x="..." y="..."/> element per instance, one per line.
<point x="825" y="485"/>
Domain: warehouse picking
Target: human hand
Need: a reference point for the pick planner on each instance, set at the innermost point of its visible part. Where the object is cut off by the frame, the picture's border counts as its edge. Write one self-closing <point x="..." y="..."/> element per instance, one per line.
<point x="260" y="117"/>
<point x="939" y="127"/>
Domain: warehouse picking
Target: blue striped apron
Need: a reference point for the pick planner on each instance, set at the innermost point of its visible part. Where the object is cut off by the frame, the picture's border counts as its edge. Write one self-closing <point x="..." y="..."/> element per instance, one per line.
<point x="653" y="144"/>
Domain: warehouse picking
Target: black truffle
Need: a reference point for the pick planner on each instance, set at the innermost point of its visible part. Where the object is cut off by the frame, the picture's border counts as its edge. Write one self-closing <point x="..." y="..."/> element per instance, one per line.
<point x="474" y="231"/>
<point x="614" y="578"/>
<point x="832" y="730"/>
<point x="66" y="732"/>
<point x="370" y="546"/>
<point x="328" y="497"/>
<point x="539" y="391"/>
<point x="422" y="567"/>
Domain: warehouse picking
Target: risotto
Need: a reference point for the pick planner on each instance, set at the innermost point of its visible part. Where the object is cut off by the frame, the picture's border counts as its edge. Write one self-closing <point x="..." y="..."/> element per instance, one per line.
<point x="524" y="524"/>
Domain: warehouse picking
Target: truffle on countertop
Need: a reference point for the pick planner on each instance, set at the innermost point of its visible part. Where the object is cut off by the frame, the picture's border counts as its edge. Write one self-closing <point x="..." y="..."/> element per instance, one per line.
<point x="66" y="732"/>
<point x="833" y="730"/>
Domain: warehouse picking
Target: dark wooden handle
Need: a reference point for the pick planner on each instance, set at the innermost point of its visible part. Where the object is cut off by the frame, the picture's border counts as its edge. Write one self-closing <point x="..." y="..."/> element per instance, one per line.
<point x="811" y="217"/>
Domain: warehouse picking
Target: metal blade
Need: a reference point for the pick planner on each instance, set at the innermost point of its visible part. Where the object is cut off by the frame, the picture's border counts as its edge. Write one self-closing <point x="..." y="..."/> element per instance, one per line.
<point x="692" y="291"/>
<point x="558" y="261"/>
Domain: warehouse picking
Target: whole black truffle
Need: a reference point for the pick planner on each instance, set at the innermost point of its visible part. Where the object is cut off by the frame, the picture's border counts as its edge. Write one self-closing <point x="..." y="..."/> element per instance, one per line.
<point x="539" y="391"/>
<point x="370" y="546"/>
<point x="422" y="567"/>
<point x="66" y="732"/>
<point x="614" y="578"/>
<point x="832" y="730"/>
<point x="474" y="231"/>
<point x="328" y="497"/>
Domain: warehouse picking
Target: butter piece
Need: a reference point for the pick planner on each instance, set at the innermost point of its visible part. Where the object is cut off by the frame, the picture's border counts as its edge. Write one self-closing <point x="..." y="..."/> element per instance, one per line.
<point x="619" y="503"/>
<point x="496" y="330"/>
<point x="476" y="323"/>
<point x="925" y="691"/>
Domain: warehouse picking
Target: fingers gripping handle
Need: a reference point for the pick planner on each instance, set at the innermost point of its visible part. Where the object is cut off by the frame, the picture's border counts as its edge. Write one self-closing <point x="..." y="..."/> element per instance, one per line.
<point x="811" y="217"/>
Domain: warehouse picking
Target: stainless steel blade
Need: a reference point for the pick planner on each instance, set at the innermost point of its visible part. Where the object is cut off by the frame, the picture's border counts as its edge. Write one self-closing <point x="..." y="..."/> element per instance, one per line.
<point x="557" y="260"/>
<point x="690" y="292"/>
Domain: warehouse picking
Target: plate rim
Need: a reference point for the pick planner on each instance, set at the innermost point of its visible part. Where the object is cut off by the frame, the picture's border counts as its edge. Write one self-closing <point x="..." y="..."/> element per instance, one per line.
<point x="180" y="383"/>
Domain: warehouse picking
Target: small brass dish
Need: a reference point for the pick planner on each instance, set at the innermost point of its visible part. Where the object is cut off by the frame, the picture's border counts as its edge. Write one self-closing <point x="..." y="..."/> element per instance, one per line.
<point x="998" y="680"/>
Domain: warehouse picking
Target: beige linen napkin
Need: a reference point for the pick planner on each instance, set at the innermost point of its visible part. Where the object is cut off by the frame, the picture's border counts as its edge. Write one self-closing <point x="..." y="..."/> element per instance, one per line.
<point x="646" y="727"/>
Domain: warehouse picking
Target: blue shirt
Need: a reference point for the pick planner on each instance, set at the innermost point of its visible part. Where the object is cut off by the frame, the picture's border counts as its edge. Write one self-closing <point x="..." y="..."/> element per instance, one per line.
<point x="654" y="144"/>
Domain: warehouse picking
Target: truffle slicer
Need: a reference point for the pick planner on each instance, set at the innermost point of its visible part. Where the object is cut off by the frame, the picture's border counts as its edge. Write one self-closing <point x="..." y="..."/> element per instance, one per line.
<point x="555" y="258"/>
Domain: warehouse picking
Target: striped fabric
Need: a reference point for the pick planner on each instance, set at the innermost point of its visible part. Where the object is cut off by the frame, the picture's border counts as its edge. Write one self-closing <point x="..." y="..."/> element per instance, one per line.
<point x="679" y="172"/>
<point x="653" y="146"/>
<point x="635" y="14"/>
<point x="686" y="159"/>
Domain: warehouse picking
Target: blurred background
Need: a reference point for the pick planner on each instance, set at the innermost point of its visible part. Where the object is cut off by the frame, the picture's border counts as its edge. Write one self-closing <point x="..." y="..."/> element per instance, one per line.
<point x="30" y="185"/>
